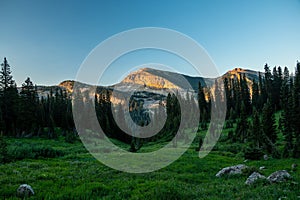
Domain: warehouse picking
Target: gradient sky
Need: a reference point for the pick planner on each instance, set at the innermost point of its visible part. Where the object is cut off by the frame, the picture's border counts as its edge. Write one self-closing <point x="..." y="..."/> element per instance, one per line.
<point x="48" y="40"/>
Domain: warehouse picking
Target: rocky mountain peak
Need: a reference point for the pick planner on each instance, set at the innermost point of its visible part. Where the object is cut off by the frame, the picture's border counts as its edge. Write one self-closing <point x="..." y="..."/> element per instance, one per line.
<point x="151" y="78"/>
<point x="68" y="85"/>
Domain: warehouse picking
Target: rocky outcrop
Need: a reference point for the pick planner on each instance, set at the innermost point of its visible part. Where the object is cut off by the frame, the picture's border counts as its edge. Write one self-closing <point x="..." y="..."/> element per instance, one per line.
<point x="237" y="169"/>
<point x="68" y="85"/>
<point x="147" y="78"/>
<point x="25" y="190"/>
<point x="279" y="176"/>
<point x="254" y="177"/>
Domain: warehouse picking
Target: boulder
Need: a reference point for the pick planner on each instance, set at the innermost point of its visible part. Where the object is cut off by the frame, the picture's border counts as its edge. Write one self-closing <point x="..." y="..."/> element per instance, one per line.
<point x="254" y="177"/>
<point x="237" y="169"/>
<point x="25" y="190"/>
<point x="279" y="176"/>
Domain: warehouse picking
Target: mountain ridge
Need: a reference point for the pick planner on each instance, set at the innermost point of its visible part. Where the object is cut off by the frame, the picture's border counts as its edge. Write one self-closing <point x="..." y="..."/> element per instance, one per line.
<point x="161" y="80"/>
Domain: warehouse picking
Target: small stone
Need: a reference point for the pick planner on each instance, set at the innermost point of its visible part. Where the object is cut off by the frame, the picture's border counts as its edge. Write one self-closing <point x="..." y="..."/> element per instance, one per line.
<point x="266" y="157"/>
<point x="25" y="190"/>
<point x="245" y="161"/>
<point x="262" y="167"/>
<point x="254" y="177"/>
<point x="294" y="166"/>
<point x="279" y="176"/>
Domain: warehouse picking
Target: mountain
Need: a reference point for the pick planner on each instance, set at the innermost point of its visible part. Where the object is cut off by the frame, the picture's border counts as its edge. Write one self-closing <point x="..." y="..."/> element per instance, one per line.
<point x="159" y="79"/>
<point x="154" y="80"/>
<point x="154" y="85"/>
<point x="236" y="72"/>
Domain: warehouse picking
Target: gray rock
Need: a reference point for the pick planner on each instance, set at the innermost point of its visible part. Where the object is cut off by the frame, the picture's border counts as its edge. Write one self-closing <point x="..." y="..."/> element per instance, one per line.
<point x="237" y="169"/>
<point x="279" y="176"/>
<point x="254" y="177"/>
<point x="294" y="166"/>
<point x="262" y="167"/>
<point x="266" y="157"/>
<point x="25" y="190"/>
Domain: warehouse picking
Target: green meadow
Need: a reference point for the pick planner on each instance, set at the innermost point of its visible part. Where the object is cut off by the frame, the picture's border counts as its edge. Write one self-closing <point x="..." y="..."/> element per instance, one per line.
<point x="59" y="170"/>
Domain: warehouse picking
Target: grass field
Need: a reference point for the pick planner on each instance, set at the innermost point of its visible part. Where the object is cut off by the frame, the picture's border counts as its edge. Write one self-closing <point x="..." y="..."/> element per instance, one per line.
<point x="75" y="174"/>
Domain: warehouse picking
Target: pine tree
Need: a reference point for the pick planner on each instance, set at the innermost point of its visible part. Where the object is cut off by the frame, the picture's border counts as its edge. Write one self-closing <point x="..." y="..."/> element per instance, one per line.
<point x="284" y="90"/>
<point x="255" y="95"/>
<point x="6" y="79"/>
<point x="28" y="107"/>
<point x="269" y="129"/>
<point x="296" y="112"/>
<point x="268" y="82"/>
<point x="228" y="97"/>
<point x="255" y="131"/>
<point x="245" y="94"/>
<point x="268" y="122"/>
<point x="9" y="99"/>
<point x="241" y="131"/>
<point x="276" y="86"/>
<point x="262" y="92"/>
<point x="202" y="103"/>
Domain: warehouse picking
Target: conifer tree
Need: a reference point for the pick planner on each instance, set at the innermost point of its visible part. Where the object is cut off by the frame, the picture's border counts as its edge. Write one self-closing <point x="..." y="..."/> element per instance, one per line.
<point x="268" y="122"/>
<point x="241" y="131"/>
<point x="255" y="131"/>
<point x="202" y="103"/>
<point x="296" y="112"/>
<point x="28" y="107"/>
<point x="9" y="99"/>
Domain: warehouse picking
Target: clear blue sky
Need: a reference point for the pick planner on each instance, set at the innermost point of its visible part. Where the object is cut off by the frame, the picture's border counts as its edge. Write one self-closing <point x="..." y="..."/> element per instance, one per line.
<point x="48" y="40"/>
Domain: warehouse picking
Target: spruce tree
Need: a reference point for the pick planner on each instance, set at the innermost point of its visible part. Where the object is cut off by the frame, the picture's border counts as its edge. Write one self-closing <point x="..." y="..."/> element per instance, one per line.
<point x="255" y="131"/>
<point x="268" y="122"/>
<point x="202" y="103"/>
<point x="241" y="131"/>
<point x="296" y="112"/>
<point x="9" y="99"/>
<point x="28" y="107"/>
<point x="255" y="95"/>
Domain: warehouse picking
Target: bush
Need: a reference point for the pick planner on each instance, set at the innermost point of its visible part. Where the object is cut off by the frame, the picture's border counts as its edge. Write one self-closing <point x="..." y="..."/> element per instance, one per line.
<point x="19" y="151"/>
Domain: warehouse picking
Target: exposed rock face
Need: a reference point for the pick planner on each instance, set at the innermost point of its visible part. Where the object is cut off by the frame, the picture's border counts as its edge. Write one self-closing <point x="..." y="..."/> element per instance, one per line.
<point x="145" y="77"/>
<point x="25" y="190"/>
<point x="237" y="169"/>
<point x="254" y="177"/>
<point x="68" y="85"/>
<point x="279" y="176"/>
